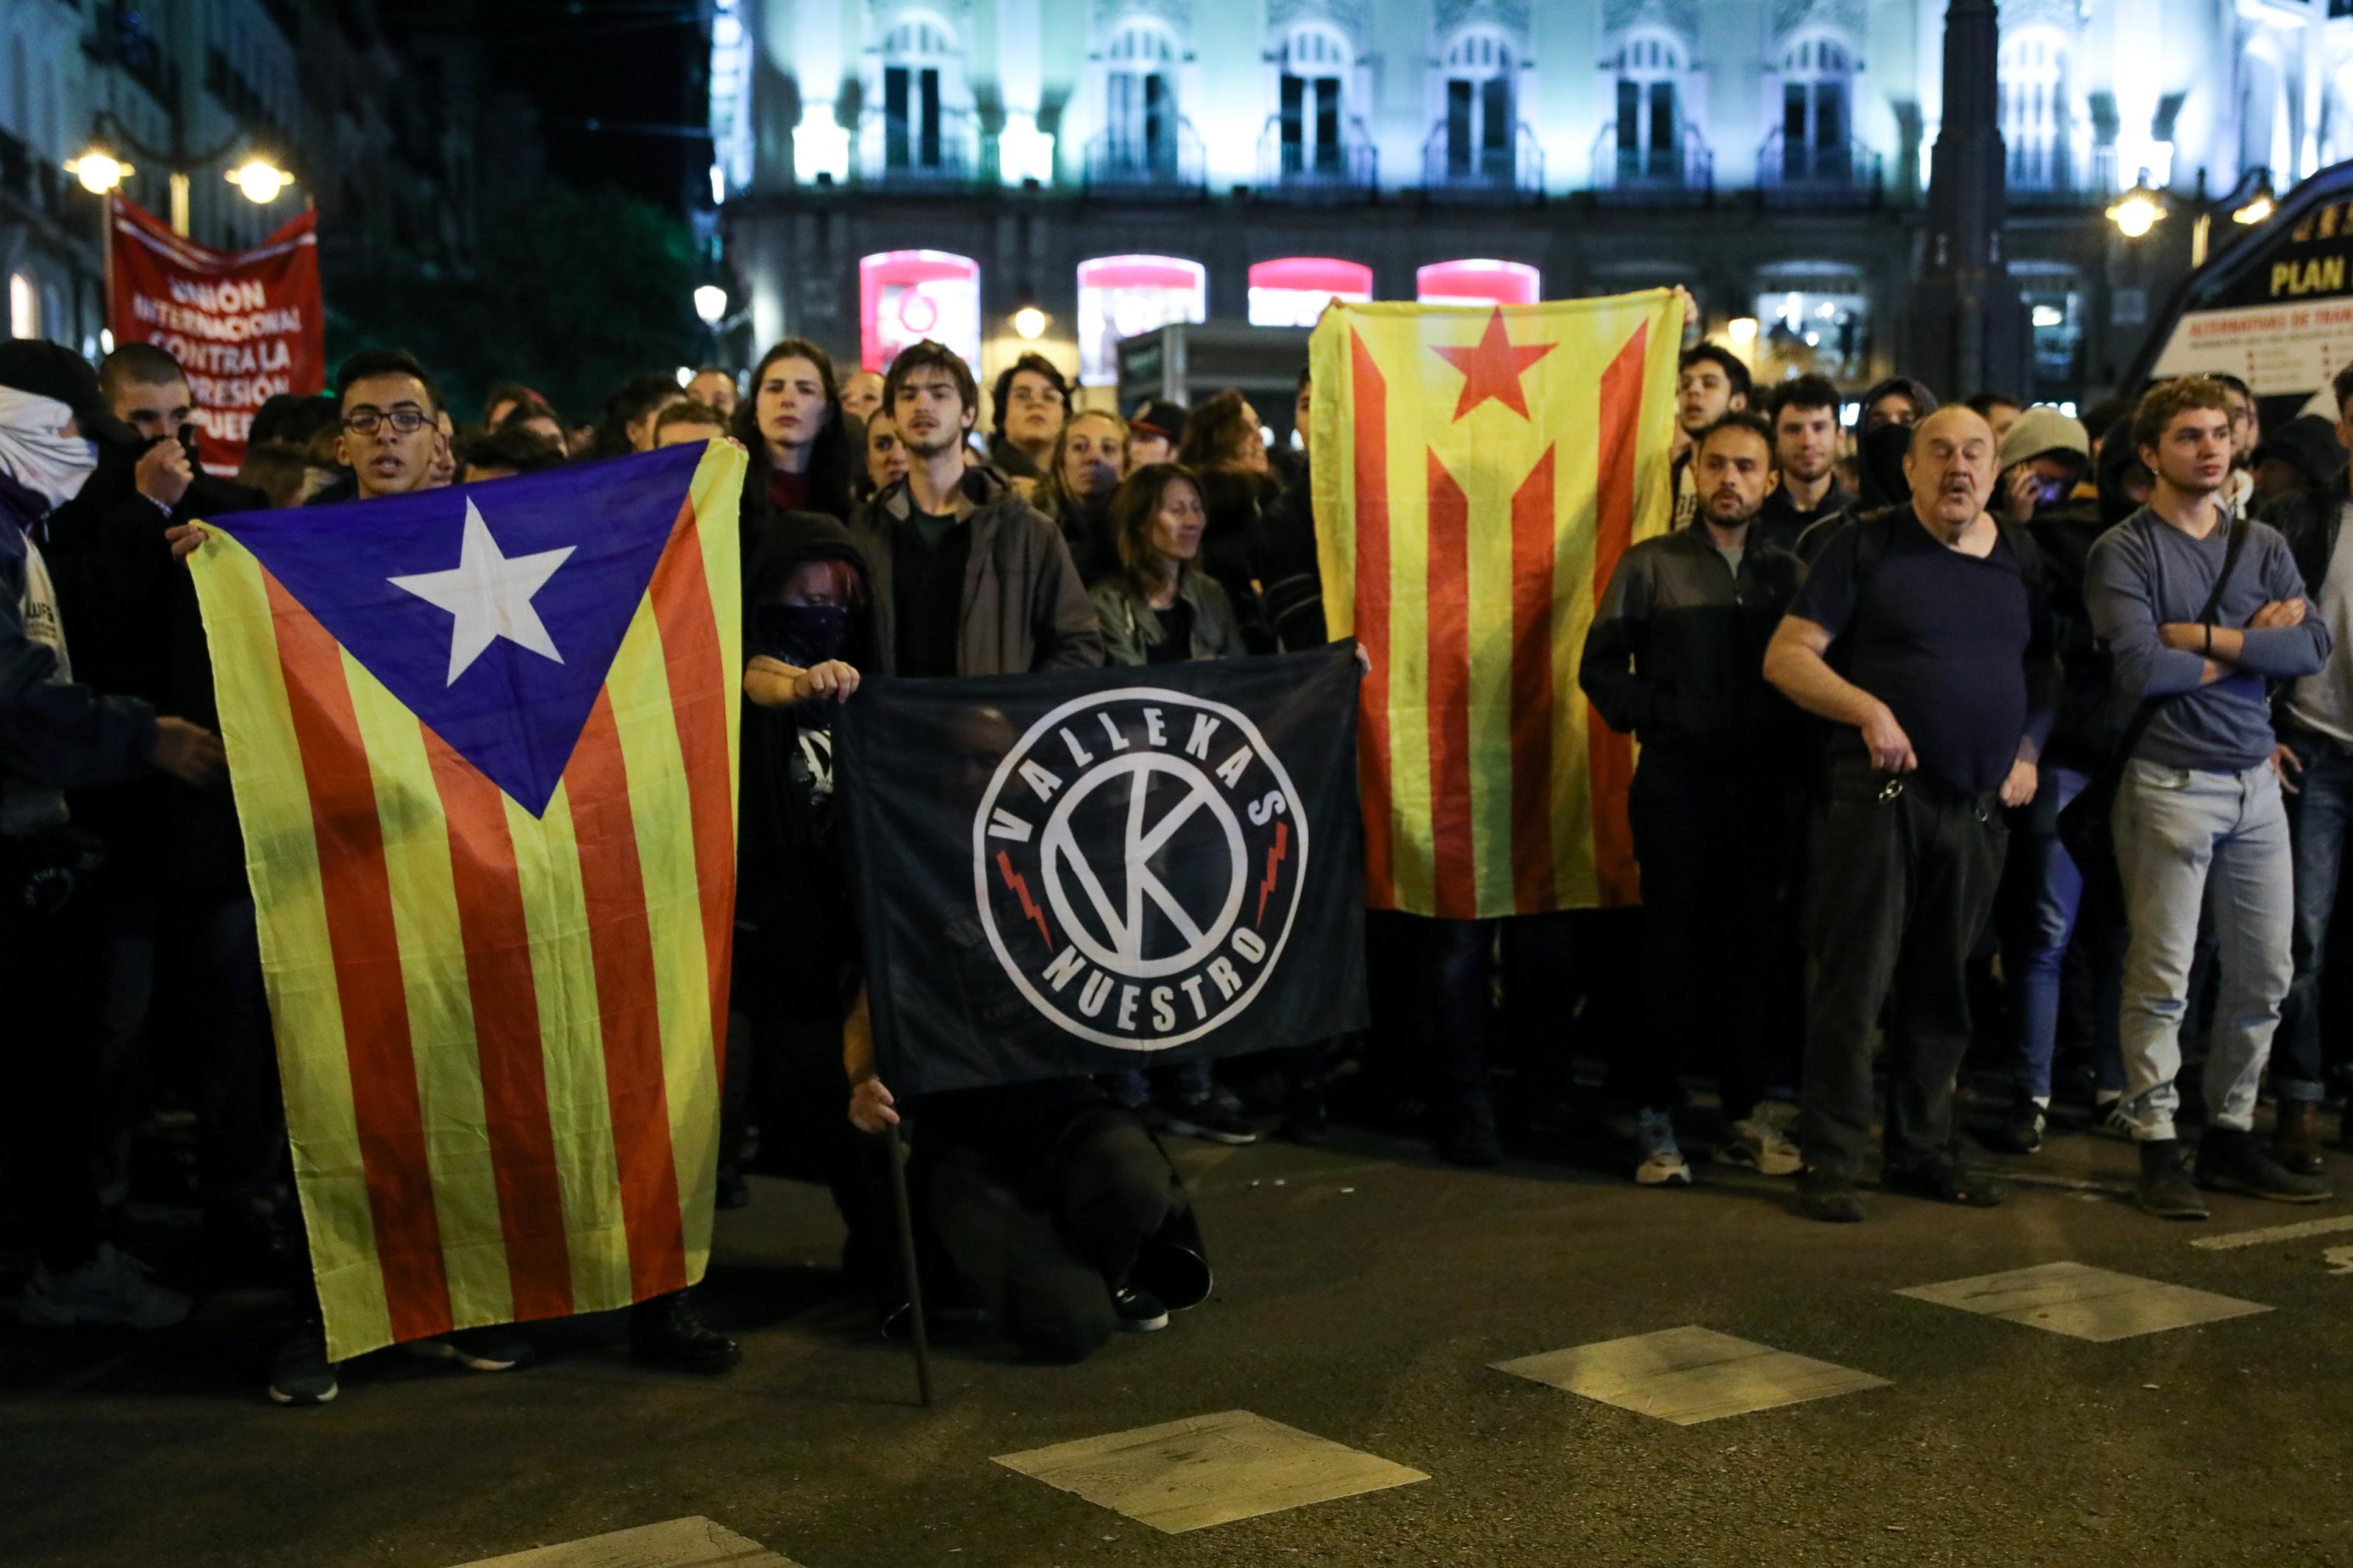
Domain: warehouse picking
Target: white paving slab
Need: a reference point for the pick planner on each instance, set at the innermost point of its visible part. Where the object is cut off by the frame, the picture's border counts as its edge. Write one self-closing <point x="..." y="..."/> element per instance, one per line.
<point x="1689" y="1374"/>
<point x="694" y="1542"/>
<point x="1208" y="1469"/>
<point x="2083" y="1301"/>
<point x="2232" y="1241"/>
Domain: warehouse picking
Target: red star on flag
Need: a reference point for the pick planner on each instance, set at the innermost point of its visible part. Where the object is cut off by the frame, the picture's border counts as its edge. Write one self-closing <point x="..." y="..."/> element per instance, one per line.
<point x="1492" y="368"/>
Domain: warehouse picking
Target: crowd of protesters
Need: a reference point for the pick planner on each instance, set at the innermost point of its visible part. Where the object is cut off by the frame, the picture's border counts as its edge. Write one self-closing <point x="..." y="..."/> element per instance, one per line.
<point x="1975" y="731"/>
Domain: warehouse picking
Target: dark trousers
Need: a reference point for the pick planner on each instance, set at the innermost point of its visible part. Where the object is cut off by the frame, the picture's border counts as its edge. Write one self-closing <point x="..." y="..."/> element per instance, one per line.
<point x="1710" y="845"/>
<point x="1046" y="1258"/>
<point x="2319" y="814"/>
<point x="1901" y="878"/>
<point x="240" y="1113"/>
<point x="1429" y="982"/>
<point x="53" y="951"/>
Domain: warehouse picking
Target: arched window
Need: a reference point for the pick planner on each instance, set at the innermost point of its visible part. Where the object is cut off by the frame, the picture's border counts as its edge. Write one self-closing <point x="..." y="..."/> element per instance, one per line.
<point x="2035" y="109"/>
<point x="1315" y="63"/>
<point x="1140" y="95"/>
<point x="1649" y="115"/>
<point x="1479" y="110"/>
<point x="1126" y="295"/>
<point x="1478" y="283"/>
<point x="2263" y="135"/>
<point x="1816" y="73"/>
<point x="1291" y="290"/>
<point x="24" y="306"/>
<point x="919" y="55"/>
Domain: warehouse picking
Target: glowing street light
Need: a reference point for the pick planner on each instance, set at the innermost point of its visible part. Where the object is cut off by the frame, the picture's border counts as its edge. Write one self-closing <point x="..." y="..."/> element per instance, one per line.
<point x="259" y="180"/>
<point x="711" y="304"/>
<point x="1029" y="323"/>
<point x="99" y="170"/>
<point x="2138" y="210"/>
<point x="2260" y="205"/>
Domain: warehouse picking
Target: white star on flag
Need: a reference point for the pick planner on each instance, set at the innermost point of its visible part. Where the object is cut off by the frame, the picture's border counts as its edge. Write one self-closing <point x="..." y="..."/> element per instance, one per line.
<point x="489" y="595"/>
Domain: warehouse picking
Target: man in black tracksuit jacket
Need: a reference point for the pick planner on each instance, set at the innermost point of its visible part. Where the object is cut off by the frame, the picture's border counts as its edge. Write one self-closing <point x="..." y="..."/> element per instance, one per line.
<point x="1675" y="657"/>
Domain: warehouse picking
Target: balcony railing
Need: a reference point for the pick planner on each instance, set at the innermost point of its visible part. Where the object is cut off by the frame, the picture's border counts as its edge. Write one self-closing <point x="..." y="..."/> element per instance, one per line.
<point x="1845" y="174"/>
<point x="2056" y="173"/>
<point x="1347" y="170"/>
<point x="28" y="177"/>
<point x="1683" y="174"/>
<point x="948" y="151"/>
<point x="1124" y="163"/>
<point x="1454" y="173"/>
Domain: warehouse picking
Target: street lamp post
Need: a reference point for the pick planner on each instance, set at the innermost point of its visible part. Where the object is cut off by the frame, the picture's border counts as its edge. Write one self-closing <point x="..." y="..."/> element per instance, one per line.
<point x="101" y="174"/>
<point x="1969" y="322"/>
<point x="711" y="304"/>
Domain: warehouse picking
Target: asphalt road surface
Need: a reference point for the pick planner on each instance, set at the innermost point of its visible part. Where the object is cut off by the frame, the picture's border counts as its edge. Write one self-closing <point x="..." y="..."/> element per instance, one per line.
<point x="1363" y="1294"/>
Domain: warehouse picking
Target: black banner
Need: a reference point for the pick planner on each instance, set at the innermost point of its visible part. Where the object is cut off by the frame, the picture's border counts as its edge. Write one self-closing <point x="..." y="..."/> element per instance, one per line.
<point x="1084" y="871"/>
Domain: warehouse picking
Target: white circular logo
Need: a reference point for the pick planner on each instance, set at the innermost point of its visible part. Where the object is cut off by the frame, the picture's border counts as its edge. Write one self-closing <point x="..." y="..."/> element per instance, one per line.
<point x="1137" y="862"/>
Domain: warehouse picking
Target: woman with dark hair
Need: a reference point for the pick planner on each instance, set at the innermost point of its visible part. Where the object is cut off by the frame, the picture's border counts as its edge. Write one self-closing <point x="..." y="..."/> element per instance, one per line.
<point x="792" y="421"/>
<point x="1225" y="446"/>
<point x="1160" y="608"/>
<point x="1090" y="457"/>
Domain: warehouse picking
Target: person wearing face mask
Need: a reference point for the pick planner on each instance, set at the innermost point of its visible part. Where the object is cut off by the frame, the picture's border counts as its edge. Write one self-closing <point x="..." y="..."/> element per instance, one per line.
<point x="803" y="458"/>
<point x="1089" y="461"/>
<point x="1921" y="633"/>
<point x="57" y="735"/>
<point x="809" y="629"/>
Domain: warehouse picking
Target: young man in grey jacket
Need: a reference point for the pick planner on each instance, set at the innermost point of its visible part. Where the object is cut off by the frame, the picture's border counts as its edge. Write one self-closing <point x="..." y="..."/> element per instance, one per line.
<point x="968" y="578"/>
<point x="2198" y="808"/>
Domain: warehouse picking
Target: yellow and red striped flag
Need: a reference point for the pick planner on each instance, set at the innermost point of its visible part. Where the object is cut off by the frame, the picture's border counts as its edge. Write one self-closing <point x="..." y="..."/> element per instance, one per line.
<point x="483" y="743"/>
<point x="1478" y="471"/>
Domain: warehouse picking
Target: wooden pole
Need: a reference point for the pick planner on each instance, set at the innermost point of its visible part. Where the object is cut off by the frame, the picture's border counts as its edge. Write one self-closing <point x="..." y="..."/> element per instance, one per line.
<point x="897" y="1152"/>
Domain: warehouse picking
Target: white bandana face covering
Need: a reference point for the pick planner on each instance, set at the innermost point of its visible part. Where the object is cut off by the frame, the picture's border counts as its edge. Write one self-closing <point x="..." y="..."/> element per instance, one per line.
<point x="34" y="453"/>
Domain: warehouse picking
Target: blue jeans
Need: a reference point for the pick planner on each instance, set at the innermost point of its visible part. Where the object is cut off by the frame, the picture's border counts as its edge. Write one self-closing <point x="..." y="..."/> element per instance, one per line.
<point x="2047" y="916"/>
<point x="2188" y="839"/>
<point x="2317" y="815"/>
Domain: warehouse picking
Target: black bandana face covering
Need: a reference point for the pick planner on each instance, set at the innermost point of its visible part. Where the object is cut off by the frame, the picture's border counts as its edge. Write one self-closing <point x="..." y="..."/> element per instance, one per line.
<point x="805" y="634"/>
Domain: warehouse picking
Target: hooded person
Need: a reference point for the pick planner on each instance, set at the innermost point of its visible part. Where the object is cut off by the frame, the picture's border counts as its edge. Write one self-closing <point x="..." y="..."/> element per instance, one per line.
<point x="1916" y="404"/>
<point x="809" y="633"/>
<point x="57" y="735"/>
<point x="1879" y="459"/>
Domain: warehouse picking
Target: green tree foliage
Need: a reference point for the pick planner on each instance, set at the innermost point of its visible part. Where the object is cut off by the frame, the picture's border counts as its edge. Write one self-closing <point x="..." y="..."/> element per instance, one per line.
<point x="573" y="294"/>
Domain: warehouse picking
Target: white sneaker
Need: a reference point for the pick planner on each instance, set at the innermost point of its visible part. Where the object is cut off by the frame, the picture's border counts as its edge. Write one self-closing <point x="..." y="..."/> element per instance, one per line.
<point x="112" y="1289"/>
<point x="1762" y="1147"/>
<point x="1662" y="1159"/>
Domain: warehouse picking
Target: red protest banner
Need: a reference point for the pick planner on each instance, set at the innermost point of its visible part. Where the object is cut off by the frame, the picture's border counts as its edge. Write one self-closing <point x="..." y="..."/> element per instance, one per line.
<point x="246" y="325"/>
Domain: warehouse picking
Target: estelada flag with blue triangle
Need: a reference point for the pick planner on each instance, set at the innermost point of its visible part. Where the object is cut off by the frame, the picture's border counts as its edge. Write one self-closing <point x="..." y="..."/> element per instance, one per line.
<point x="483" y="741"/>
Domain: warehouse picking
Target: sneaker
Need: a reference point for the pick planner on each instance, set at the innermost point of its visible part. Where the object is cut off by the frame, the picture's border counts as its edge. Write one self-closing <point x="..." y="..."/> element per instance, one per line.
<point x="667" y="1331"/>
<point x="110" y="1290"/>
<point x="2020" y="1129"/>
<point x="1827" y="1197"/>
<point x="1467" y="1135"/>
<point x="2108" y="1116"/>
<point x="1945" y="1181"/>
<point x="300" y="1372"/>
<point x="2165" y="1189"/>
<point x="2230" y="1161"/>
<point x="1781" y="1115"/>
<point x="1761" y="1147"/>
<point x="1662" y="1163"/>
<point x="501" y="1347"/>
<point x="1210" y="1118"/>
<point x="1139" y="1311"/>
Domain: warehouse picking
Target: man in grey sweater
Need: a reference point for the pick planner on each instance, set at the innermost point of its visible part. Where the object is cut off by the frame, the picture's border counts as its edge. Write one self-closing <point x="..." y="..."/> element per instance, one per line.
<point x="2198" y="806"/>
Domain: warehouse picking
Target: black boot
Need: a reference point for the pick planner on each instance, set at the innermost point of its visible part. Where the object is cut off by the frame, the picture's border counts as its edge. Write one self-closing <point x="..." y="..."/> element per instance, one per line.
<point x="2231" y="1160"/>
<point x="667" y="1332"/>
<point x="2165" y="1187"/>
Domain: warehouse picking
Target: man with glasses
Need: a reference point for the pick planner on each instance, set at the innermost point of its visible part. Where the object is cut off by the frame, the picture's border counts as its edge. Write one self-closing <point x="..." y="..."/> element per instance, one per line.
<point x="391" y="436"/>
